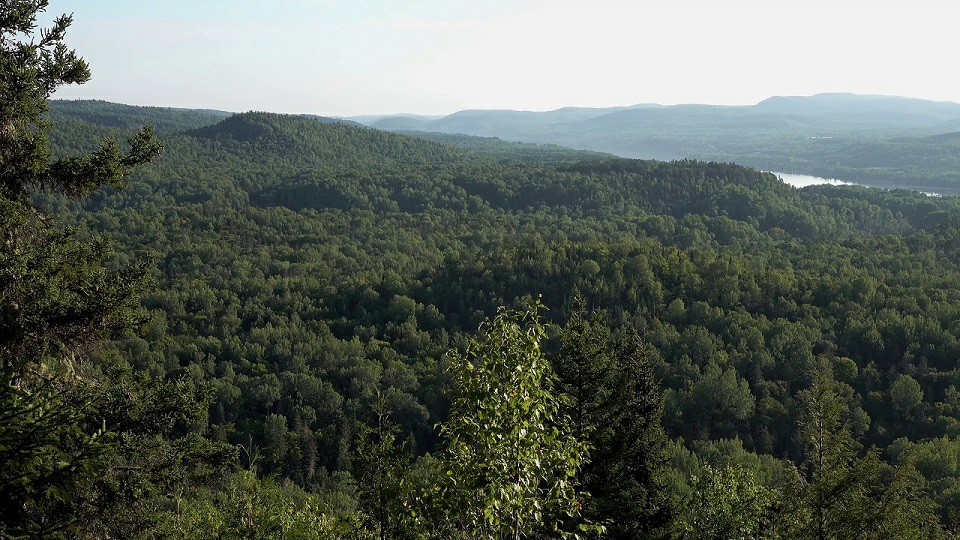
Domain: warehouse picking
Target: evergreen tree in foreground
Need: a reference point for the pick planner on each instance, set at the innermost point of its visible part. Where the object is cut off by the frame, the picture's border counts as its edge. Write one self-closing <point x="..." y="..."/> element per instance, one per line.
<point x="56" y="294"/>
<point x="381" y="461"/>
<point x="842" y="493"/>
<point x="616" y="406"/>
<point x="81" y="452"/>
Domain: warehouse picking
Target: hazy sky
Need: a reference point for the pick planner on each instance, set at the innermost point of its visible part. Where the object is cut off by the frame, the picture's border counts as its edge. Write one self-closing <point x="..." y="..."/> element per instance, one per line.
<point x="438" y="56"/>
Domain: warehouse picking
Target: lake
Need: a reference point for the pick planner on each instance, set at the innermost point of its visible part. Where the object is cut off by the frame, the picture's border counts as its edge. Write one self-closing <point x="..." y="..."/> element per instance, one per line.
<point x="804" y="180"/>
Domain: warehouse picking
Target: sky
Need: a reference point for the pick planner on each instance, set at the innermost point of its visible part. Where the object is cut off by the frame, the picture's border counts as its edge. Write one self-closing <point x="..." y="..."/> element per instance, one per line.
<point x="354" y="57"/>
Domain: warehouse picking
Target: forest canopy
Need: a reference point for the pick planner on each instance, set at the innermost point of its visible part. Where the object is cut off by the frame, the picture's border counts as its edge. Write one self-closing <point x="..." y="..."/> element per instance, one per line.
<point x="313" y="273"/>
<point x="292" y="327"/>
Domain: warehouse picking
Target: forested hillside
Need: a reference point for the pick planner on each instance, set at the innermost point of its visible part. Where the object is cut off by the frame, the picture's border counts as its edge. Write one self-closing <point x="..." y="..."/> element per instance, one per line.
<point x="312" y="275"/>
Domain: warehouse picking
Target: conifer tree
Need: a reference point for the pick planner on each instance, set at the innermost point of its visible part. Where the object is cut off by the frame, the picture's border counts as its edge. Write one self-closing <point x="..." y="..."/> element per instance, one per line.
<point x="381" y="459"/>
<point x="56" y="296"/>
<point x="616" y="407"/>
<point x="584" y="367"/>
<point x="844" y="492"/>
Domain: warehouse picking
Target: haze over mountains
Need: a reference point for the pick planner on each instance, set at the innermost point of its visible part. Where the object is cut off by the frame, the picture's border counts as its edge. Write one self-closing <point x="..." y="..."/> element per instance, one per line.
<point x="876" y="140"/>
<point x="818" y="111"/>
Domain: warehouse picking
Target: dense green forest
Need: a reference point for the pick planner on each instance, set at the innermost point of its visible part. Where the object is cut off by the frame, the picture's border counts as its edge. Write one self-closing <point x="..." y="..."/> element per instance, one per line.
<point x="310" y="273"/>
<point x="288" y="327"/>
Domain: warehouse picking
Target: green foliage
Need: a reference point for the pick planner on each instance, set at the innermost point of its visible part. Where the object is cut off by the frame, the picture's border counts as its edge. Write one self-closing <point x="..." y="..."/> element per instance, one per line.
<point x="727" y="504"/>
<point x="719" y="403"/>
<point x="906" y="394"/>
<point x="382" y="463"/>
<point x="508" y="152"/>
<point x="584" y="366"/>
<point x="510" y="457"/>
<point x="30" y="71"/>
<point x="159" y="452"/>
<point x="248" y="507"/>
<point x="938" y="462"/>
<point x="110" y="116"/>
<point x="100" y="458"/>
<point x="843" y="494"/>
<point x="44" y="455"/>
<point x="56" y="295"/>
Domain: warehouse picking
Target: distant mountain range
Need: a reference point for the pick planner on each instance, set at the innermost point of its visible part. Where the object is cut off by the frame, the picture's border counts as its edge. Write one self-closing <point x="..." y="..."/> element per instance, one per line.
<point x="886" y="141"/>
<point x="822" y="111"/>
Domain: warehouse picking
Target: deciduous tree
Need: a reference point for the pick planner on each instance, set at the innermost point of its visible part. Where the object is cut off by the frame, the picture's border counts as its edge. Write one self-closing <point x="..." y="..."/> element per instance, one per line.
<point x="510" y="455"/>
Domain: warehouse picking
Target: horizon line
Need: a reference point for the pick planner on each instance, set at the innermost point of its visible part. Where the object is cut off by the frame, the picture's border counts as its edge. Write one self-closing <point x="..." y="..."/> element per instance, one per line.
<point x="442" y="115"/>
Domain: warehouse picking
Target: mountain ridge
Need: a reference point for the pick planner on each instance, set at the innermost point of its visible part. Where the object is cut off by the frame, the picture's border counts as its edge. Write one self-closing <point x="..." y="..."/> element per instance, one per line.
<point x="770" y="104"/>
<point x="824" y="135"/>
